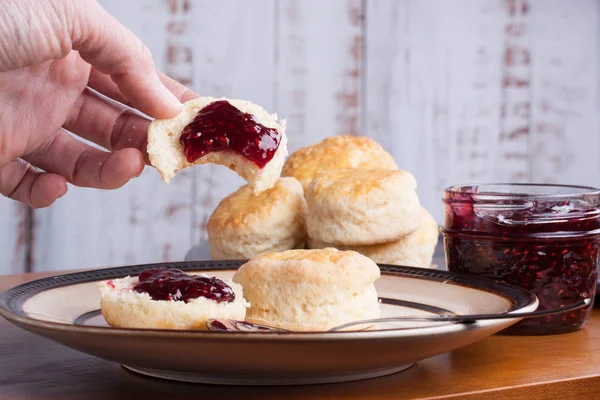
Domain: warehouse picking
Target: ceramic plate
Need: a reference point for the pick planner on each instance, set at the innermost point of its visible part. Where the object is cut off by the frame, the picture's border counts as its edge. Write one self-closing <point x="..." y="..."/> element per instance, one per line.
<point x="65" y="308"/>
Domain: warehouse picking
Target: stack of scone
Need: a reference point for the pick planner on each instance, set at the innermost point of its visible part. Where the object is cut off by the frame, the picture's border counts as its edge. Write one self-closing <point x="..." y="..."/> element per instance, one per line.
<point x="375" y="212"/>
<point x="358" y="199"/>
<point x="345" y="192"/>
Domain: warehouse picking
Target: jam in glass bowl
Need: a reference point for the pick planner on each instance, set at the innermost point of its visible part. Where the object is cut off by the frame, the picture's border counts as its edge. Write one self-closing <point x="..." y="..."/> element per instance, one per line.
<point x="543" y="238"/>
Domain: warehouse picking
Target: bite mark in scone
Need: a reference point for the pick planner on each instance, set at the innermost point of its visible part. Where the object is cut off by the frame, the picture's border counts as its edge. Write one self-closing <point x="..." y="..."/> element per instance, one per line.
<point x="237" y="134"/>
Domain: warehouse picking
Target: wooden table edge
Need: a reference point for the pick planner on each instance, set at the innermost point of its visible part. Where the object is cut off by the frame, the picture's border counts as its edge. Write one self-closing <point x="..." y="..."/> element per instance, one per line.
<point x="560" y="388"/>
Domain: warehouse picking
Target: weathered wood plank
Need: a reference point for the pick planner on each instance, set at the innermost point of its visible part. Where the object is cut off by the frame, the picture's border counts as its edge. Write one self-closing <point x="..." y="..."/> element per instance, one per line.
<point x="234" y="53"/>
<point x="565" y="139"/>
<point x="13" y="236"/>
<point x="319" y="68"/>
<point x="146" y="220"/>
<point x="461" y="91"/>
<point x="433" y="95"/>
<point x="316" y="101"/>
<point x="515" y="130"/>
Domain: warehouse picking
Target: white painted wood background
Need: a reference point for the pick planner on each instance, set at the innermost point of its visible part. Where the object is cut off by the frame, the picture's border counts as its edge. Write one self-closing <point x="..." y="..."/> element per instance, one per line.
<point x="457" y="90"/>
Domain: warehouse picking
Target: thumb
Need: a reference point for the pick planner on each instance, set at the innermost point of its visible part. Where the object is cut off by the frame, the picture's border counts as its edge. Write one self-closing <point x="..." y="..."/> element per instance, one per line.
<point x="114" y="50"/>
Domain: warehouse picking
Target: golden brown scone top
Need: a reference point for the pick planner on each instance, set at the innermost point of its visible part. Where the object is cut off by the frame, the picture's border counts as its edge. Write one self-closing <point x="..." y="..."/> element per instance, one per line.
<point x="328" y="255"/>
<point x="243" y="207"/>
<point x="336" y="152"/>
<point x="356" y="182"/>
<point x="327" y="267"/>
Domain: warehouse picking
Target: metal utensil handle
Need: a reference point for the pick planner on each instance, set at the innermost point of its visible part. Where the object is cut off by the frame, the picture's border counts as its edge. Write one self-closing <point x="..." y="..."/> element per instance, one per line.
<point x="469" y="318"/>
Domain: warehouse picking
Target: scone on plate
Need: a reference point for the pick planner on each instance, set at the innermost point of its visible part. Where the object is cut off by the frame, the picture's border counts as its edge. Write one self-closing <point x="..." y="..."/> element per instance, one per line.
<point x="235" y="133"/>
<point x="362" y="207"/>
<point x="414" y="250"/>
<point x="245" y="225"/>
<point x="336" y="152"/>
<point x="310" y="290"/>
<point x="162" y="298"/>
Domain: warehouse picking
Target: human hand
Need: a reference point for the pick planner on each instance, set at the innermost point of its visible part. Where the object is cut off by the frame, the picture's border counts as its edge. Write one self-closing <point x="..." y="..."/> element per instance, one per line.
<point x="51" y="53"/>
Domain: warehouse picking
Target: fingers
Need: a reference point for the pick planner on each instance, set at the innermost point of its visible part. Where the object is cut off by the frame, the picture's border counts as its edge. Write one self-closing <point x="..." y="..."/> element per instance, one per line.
<point x="108" y="124"/>
<point x="111" y="125"/>
<point x="21" y="182"/>
<point x="83" y="165"/>
<point x="180" y="91"/>
<point x="113" y="50"/>
<point x="103" y="84"/>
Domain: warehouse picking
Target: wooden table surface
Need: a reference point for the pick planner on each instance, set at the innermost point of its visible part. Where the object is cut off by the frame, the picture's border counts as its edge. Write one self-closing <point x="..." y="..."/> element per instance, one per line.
<point x="541" y="367"/>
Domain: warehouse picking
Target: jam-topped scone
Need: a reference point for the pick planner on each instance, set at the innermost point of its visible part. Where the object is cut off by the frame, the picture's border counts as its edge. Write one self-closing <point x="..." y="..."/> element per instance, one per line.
<point x="310" y="290"/>
<point x="234" y="133"/>
<point x="336" y="152"/>
<point x="164" y="298"/>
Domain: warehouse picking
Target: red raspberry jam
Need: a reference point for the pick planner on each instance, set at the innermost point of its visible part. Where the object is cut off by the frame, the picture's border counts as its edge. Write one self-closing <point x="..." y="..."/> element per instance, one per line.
<point x="220" y="126"/>
<point x="543" y="238"/>
<point x="173" y="284"/>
